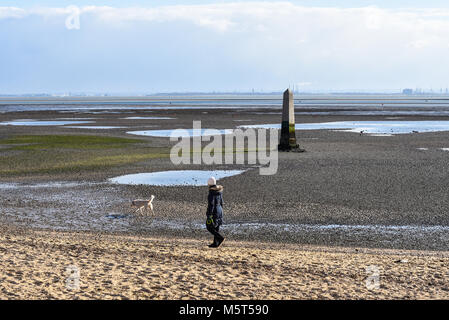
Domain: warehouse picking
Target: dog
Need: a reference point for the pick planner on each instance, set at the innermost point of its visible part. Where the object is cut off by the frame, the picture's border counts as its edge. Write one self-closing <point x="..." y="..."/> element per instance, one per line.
<point x="143" y="205"/>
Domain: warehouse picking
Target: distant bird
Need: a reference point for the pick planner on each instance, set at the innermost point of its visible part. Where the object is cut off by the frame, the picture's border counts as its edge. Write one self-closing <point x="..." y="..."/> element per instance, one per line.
<point x="143" y="205"/>
<point x="361" y="132"/>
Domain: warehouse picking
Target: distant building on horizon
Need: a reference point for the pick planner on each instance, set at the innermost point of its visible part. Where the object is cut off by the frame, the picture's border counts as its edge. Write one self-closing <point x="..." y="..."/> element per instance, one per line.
<point x="407" y="91"/>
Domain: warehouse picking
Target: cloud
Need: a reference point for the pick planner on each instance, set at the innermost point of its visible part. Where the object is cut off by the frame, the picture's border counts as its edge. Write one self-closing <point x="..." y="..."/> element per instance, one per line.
<point x="271" y="19"/>
<point x="253" y="15"/>
<point x="11" y="12"/>
<point x="243" y="43"/>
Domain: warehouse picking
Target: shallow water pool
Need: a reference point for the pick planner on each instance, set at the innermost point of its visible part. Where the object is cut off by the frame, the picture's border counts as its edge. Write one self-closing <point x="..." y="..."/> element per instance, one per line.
<point x="174" y="177"/>
<point x="182" y="133"/>
<point x="95" y="127"/>
<point x="149" y="118"/>
<point x="42" y="123"/>
<point x="369" y="127"/>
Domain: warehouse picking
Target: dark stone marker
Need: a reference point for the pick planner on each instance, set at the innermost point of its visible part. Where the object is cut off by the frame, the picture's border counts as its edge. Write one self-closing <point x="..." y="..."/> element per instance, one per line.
<point x="288" y="137"/>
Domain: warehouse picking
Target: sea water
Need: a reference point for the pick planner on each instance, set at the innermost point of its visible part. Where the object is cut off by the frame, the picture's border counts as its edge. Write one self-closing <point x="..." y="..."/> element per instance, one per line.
<point x="370" y="127"/>
<point x="174" y="177"/>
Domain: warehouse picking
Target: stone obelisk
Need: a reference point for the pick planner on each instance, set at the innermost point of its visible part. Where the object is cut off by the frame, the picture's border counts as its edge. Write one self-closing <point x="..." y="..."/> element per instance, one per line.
<point x="288" y="137"/>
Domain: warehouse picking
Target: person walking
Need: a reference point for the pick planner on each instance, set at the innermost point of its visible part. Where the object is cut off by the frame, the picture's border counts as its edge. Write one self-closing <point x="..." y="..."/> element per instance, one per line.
<point x="214" y="211"/>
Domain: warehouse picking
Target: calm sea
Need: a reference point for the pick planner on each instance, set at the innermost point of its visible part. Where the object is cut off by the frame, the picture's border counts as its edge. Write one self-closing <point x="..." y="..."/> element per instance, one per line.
<point x="312" y="105"/>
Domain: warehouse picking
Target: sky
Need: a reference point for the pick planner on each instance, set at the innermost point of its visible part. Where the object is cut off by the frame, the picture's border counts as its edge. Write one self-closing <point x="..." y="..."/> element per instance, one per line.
<point x="134" y="47"/>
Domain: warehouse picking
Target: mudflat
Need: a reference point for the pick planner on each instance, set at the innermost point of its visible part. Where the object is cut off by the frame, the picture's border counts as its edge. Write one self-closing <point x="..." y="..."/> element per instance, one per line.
<point x="308" y="226"/>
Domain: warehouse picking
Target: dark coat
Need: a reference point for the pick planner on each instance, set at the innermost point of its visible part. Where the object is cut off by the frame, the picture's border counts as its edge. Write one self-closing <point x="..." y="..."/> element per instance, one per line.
<point x="215" y="204"/>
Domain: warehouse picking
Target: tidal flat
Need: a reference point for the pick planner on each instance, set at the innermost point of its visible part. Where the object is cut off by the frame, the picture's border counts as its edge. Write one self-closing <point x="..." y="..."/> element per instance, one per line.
<point x="347" y="192"/>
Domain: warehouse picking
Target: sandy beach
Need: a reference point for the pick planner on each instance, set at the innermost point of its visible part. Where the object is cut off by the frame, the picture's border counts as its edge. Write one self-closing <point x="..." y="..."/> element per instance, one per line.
<point x="35" y="265"/>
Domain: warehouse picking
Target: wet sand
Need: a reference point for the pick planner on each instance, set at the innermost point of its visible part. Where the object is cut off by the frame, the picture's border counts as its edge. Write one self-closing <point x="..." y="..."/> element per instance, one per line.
<point x="345" y="180"/>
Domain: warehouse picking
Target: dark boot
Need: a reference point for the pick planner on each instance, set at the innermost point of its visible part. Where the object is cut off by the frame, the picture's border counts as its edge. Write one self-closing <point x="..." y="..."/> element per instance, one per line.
<point x="220" y="241"/>
<point x="218" y="238"/>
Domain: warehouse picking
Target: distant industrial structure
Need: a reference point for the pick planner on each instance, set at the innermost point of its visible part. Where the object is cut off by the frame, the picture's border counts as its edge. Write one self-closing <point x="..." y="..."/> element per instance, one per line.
<point x="407" y="91"/>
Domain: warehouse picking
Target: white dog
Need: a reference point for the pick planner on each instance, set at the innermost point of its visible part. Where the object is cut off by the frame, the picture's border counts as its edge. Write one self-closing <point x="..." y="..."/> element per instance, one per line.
<point x="143" y="205"/>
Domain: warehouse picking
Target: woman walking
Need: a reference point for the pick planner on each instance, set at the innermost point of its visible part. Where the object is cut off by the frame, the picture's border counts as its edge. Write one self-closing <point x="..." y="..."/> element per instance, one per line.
<point x="214" y="211"/>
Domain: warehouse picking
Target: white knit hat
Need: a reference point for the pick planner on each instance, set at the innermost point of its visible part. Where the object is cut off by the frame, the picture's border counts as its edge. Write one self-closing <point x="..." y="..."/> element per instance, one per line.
<point x="211" y="181"/>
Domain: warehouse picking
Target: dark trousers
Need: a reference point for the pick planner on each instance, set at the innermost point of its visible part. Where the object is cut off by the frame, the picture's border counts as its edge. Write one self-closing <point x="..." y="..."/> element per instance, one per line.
<point x="218" y="238"/>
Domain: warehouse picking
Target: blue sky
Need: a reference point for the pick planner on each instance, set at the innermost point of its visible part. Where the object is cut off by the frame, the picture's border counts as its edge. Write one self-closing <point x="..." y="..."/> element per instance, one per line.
<point x="165" y="46"/>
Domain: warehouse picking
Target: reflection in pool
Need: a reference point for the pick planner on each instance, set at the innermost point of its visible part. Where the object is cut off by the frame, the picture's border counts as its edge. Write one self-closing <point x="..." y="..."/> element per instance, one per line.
<point x="369" y="127"/>
<point x="174" y="177"/>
